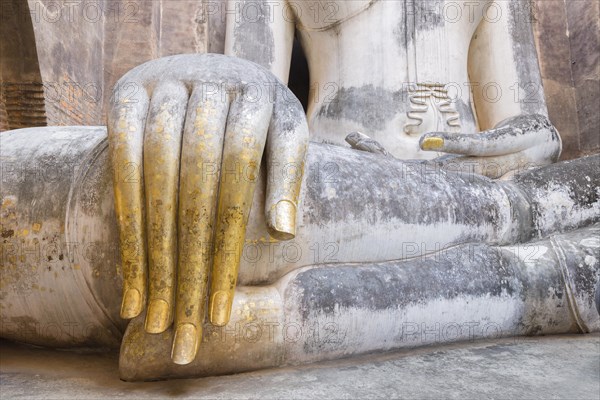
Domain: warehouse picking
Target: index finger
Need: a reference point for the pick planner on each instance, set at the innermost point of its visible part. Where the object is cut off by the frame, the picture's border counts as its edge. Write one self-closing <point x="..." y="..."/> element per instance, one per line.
<point x="126" y="124"/>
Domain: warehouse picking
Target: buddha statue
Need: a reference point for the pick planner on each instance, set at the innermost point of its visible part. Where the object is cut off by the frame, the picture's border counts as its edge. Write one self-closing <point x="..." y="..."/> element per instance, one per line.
<point x="251" y="235"/>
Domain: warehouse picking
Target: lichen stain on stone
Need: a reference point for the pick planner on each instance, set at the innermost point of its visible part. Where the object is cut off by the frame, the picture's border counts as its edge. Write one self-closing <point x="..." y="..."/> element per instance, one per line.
<point x="8" y="233"/>
<point x="254" y="39"/>
<point x="370" y="106"/>
<point x="392" y="285"/>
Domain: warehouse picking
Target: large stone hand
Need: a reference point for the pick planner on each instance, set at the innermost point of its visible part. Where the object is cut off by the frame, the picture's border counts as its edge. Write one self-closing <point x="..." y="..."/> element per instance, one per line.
<point x="187" y="135"/>
<point x="515" y="144"/>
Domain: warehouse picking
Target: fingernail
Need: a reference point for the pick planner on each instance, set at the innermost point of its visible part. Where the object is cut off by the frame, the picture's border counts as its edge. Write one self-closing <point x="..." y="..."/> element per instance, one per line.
<point x="185" y="344"/>
<point x="157" y="320"/>
<point x="132" y="304"/>
<point x="221" y="309"/>
<point x="432" y="143"/>
<point x="285" y="220"/>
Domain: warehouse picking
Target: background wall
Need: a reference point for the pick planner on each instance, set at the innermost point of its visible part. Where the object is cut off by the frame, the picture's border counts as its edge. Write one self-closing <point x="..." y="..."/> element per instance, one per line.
<point x="59" y="59"/>
<point x="567" y="36"/>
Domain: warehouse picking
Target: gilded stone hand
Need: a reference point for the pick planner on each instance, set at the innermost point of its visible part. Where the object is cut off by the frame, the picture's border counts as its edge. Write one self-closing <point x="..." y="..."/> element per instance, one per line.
<point x="187" y="135"/>
<point x="516" y="144"/>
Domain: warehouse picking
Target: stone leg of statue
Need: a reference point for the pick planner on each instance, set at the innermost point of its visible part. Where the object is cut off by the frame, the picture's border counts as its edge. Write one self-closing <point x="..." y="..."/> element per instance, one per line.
<point x="469" y="292"/>
<point x="381" y="258"/>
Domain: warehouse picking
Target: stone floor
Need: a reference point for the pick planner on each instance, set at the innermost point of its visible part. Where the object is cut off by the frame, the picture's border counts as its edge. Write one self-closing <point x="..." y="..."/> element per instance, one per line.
<point x="560" y="367"/>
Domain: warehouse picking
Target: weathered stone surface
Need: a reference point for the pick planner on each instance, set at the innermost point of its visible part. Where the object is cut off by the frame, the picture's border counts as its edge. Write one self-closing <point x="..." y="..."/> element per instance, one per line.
<point x="562" y="367"/>
<point x="60" y="79"/>
<point x="458" y="284"/>
<point x="131" y="39"/>
<point x="183" y="28"/>
<point x="567" y="35"/>
<point x="368" y="206"/>
<point x="70" y="38"/>
<point x="555" y="66"/>
<point x="584" y="37"/>
<point x="61" y="59"/>
<point x="583" y="30"/>
<point x="563" y="115"/>
<point x="21" y="91"/>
